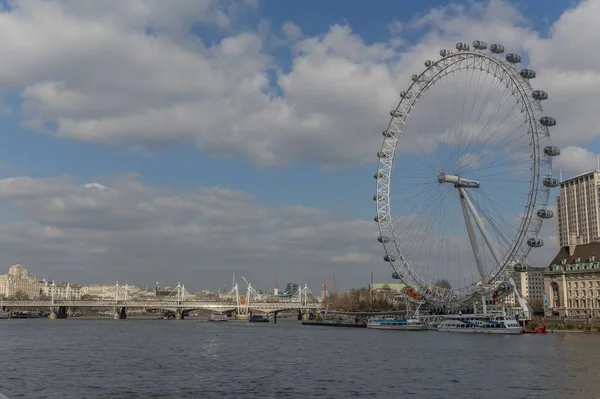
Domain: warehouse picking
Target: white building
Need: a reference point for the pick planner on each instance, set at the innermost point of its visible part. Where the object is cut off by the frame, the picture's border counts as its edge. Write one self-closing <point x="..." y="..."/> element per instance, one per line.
<point x="109" y="291"/>
<point x="530" y="284"/>
<point x="18" y="281"/>
<point x="578" y="209"/>
<point x="65" y="291"/>
<point x="573" y="281"/>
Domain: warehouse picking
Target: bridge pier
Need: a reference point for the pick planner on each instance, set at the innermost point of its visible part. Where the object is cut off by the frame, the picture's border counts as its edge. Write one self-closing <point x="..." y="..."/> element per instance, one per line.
<point x="179" y="315"/>
<point x="120" y="313"/>
<point x="58" y="313"/>
<point x="274" y="317"/>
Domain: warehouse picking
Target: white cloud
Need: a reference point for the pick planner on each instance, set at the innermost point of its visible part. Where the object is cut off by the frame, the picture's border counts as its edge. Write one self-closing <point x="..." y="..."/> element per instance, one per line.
<point x="128" y="231"/>
<point x="97" y="75"/>
<point x="129" y="73"/>
<point x="291" y="30"/>
<point x="355" y="257"/>
<point x="574" y="160"/>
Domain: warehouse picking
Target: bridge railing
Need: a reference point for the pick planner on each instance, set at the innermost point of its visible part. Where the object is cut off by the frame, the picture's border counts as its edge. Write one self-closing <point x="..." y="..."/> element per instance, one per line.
<point x="157" y="304"/>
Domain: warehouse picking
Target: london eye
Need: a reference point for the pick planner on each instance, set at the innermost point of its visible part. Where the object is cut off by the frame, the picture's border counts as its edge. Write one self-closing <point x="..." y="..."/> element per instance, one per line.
<point x="464" y="176"/>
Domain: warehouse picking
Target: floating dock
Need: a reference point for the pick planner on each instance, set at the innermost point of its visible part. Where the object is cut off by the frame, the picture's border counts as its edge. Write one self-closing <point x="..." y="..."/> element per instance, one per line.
<point x="329" y="324"/>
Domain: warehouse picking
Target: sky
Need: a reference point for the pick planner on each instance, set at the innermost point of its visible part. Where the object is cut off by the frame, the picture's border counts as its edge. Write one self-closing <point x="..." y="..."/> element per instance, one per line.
<point x="149" y="141"/>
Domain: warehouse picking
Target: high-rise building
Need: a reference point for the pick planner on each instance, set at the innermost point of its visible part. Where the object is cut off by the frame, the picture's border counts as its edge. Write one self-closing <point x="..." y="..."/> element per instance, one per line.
<point x="291" y="289"/>
<point x="578" y="209"/>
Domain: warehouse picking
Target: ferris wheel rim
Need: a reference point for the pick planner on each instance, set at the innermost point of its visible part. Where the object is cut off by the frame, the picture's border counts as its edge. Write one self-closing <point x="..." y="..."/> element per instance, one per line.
<point x="538" y="195"/>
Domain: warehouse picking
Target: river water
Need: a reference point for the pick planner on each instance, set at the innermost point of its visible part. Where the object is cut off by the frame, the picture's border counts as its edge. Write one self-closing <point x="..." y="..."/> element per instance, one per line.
<point x="82" y="359"/>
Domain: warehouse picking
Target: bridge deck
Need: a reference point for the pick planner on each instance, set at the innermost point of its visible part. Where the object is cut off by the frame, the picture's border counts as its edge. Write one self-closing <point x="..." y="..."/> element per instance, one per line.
<point x="265" y="306"/>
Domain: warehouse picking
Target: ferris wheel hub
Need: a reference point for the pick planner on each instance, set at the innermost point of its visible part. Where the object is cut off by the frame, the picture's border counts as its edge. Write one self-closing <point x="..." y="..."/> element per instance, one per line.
<point x="458" y="181"/>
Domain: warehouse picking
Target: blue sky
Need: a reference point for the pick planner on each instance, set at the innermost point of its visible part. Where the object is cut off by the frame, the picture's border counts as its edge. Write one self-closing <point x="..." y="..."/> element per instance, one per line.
<point x="342" y="186"/>
<point x="179" y="165"/>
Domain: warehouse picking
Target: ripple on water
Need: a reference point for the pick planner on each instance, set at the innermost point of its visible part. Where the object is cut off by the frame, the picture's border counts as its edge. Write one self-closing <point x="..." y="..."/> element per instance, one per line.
<point x="187" y="359"/>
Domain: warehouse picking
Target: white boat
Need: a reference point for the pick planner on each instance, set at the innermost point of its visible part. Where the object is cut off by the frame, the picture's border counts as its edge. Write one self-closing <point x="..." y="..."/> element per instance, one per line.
<point x="480" y="324"/>
<point x="218" y="317"/>
<point x="4" y="314"/>
<point x="392" y="323"/>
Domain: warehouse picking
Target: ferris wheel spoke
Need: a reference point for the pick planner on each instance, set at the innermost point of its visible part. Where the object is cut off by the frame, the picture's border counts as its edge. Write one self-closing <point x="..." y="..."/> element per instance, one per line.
<point x="469" y="139"/>
<point x="480" y="140"/>
<point x="471" y="125"/>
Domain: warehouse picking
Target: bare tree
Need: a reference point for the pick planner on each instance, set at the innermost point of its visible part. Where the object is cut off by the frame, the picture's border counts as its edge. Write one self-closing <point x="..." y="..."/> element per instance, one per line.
<point x="364" y="300"/>
<point x="19" y="296"/>
<point x="443" y="284"/>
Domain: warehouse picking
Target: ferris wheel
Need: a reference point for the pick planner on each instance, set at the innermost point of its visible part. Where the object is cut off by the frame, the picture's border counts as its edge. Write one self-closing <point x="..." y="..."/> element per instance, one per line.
<point x="464" y="176"/>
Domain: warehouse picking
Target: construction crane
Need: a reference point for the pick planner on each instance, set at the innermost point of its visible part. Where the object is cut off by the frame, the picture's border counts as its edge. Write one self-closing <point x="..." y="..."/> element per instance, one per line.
<point x="326" y="283"/>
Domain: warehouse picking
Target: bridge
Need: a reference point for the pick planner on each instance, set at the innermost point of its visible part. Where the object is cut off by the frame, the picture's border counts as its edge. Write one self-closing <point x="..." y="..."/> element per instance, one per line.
<point x="181" y="302"/>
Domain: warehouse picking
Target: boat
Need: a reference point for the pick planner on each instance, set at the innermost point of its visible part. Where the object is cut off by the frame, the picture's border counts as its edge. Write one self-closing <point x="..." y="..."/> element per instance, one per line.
<point x="480" y="324"/>
<point x="258" y="319"/>
<point x="218" y="317"/>
<point x="4" y="314"/>
<point x="393" y="323"/>
<point x="539" y="330"/>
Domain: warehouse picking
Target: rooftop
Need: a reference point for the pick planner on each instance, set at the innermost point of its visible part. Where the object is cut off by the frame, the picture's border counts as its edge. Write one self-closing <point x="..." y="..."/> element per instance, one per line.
<point x="589" y="172"/>
<point x="584" y="252"/>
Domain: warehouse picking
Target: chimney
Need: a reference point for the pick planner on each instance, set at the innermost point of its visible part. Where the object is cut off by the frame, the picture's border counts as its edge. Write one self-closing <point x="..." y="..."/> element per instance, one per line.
<point x="573" y="241"/>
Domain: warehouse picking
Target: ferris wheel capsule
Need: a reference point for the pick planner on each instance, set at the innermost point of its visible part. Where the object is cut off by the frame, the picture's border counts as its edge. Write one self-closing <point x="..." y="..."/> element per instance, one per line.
<point x="513" y="58"/>
<point x="527" y="73"/>
<point x="519" y="267"/>
<point x="479" y="45"/>
<point x="539" y="95"/>
<point x="551" y="151"/>
<point x="545" y="213"/>
<point x="548" y="121"/>
<point x="550" y="182"/>
<point x="535" y="242"/>
<point x="497" y="48"/>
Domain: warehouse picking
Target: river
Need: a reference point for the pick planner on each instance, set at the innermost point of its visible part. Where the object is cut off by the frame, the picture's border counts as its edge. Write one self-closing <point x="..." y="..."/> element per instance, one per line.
<point x="81" y="359"/>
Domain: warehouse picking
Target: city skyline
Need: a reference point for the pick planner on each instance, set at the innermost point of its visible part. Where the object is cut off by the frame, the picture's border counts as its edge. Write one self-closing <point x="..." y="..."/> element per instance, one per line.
<point x="188" y="141"/>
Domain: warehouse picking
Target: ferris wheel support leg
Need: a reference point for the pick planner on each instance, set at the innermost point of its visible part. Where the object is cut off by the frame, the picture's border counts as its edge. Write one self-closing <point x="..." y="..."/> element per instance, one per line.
<point x="480" y="225"/>
<point x="471" y="232"/>
<point x="484" y="305"/>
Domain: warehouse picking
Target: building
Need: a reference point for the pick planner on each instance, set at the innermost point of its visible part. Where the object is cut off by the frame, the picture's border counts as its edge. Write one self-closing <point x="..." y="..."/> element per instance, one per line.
<point x="291" y="289"/>
<point x="65" y="291"/>
<point x="17" y="282"/>
<point x="572" y="281"/>
<point x="397" y="287"/>
<point x="578" y="206"/>
<point x="109" y="291"/>
<point x="530" y="284"/>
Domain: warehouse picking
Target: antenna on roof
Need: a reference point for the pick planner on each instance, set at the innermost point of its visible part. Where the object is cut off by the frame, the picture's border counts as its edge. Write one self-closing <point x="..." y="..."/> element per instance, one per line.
<point x="598" y="161"/>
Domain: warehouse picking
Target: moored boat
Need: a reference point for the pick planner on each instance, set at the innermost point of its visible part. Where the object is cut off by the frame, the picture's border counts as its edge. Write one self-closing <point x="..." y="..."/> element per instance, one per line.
<point x="218" y="317"/>
<point x="480" y="324"/>
<point x="392" y="323"/>
<point x="4" y="314"/>
<point x="258" y="319"/>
